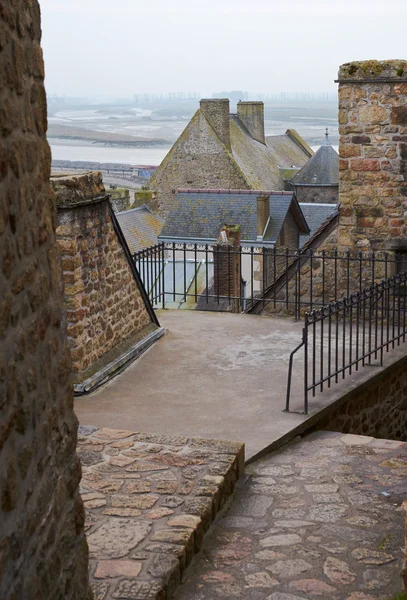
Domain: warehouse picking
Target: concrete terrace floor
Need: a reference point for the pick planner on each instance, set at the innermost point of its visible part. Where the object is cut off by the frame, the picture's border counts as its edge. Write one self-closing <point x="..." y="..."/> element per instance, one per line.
<point x="213" y="375"/>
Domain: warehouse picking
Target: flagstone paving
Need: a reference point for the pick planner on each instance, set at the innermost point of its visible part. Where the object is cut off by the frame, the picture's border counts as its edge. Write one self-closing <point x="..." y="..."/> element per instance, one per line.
<point x="149" y="499"/>
<point x="322" y="518"/>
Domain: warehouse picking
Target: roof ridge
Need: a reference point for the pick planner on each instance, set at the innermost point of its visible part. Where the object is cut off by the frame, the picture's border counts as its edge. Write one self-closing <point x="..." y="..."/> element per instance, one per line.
<point x="231" y="191"/>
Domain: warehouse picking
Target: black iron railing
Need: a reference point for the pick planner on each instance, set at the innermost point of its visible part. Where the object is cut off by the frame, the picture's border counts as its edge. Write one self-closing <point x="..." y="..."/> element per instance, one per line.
<point x="355" y="331"/>
<point x="280" y="280"/>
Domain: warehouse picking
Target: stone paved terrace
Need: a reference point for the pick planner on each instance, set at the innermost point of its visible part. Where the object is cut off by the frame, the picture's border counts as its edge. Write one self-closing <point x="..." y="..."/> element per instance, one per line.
<point x="322" y="518"/>
<point x="149" y="499"/>
<point x="215" y="375"/>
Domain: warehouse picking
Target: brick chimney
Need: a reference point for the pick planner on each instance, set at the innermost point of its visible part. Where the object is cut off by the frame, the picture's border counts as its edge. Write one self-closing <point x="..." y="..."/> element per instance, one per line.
<point x="263" y="214"/>
<point x="227" y="266"/>
<point x="216" y="110"/>
<point x="252" y="116"/>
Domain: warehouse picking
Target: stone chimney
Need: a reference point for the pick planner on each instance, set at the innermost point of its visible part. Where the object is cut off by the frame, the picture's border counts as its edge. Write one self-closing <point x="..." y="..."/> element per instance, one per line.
<point x="263" y="214"/>
<point x="252" y="116"/>
<point x="217" y="112"/>
<point x="227" y="266"/>
<point x="373" y="155"/>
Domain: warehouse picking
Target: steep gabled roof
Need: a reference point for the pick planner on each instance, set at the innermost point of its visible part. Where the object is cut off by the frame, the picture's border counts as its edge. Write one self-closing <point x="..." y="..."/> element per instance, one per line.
<point x="140" y="227"/>
<point x="321" y="169"/>
<point x="261" y="163"/>
<point x="290" y="149"/>
<point x="200" y="215"/>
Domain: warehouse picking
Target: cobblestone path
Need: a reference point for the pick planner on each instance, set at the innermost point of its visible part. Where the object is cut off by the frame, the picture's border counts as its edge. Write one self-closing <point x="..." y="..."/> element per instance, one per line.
<point x="321" y="519"/>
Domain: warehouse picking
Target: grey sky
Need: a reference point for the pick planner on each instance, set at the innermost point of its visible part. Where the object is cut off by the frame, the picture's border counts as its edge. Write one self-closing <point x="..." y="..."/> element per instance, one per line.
<point x="123" y="47"/>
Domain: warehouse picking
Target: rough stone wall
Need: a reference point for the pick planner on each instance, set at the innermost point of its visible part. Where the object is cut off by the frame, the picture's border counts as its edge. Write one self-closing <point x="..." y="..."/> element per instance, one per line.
<point x="377" y="408"/>
<point x="317" y="194"/>
<point x="43" y="551"/>
<point x="197" y="160"/>
<point x="373" y="154"/>
<point x="120" y="199"/>
<point x="103" y="301"/>
<point x="326" y="279"/>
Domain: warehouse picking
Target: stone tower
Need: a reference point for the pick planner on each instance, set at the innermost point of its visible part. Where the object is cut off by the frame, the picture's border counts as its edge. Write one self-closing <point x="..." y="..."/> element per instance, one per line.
<point x="373" y="155"/>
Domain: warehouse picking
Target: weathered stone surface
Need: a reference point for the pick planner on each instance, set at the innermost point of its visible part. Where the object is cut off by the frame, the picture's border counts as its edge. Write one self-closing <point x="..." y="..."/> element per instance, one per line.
<point x="261" y="579"/>
<point x="43" y="550"/>
<point x="308" y="558"/>
<point x="129" y="589"/>
<point x="287" y="539"/>
<point x="114" y="538"/>
<point x="117" y="568"/>
<point x="140" y="501"/>
<point x="288" y="569"/>
<point x="312" y="587"/>
<point x="338" y="571"/>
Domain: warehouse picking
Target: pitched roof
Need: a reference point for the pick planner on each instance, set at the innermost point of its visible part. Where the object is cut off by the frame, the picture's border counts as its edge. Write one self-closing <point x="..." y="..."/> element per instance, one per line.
<point x="261" y="163"/>
<point x="200" y="215"/>
<point x="321" y="169"/>
<point x="316" y="216"/>
<point x="140" y="227"/>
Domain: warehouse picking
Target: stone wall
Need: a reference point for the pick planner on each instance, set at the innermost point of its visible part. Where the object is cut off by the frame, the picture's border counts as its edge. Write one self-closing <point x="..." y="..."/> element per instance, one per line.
<point x="120" y="199"/>
<point x="377" y="408"/>
<point x="317" y="194"/>
<point x="43" y="551"/>
<point x="373" y="154"/>
<point x="105" y="309"/>
<point x="197" y="160"/>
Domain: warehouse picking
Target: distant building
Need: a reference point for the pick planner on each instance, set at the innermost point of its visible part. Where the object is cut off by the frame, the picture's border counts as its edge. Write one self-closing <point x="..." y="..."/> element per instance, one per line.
<point x="228" y="151"/>
<point x="265" y="218"/>
<point x="318" y="180"/>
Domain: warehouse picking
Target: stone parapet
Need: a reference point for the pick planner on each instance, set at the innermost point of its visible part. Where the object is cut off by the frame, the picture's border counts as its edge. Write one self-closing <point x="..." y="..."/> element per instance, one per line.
<point x="149" y="500"/>
<point x="373" y="154"/>
<point x="74" y="190"/>
<point x="107" y="312"/>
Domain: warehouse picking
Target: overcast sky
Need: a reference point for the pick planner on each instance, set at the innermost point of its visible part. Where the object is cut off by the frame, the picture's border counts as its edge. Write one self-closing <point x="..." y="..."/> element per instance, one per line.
<point x="123" y="47"/>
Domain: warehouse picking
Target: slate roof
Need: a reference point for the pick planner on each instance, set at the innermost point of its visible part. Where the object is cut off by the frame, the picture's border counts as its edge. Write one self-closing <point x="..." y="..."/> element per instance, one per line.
<point x="316" y="215"/>
<point x="261" y="163"/>
<point x="140" y="227"/>
<point x="321" y="169"/>
<point x="200" y="215"/>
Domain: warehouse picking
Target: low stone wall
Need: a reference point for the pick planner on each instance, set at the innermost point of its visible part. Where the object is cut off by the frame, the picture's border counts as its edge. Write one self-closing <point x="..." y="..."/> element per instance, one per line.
<point x="105" y="307"/>
<point x="377" y="408"/>
<point x="149" y="501"/>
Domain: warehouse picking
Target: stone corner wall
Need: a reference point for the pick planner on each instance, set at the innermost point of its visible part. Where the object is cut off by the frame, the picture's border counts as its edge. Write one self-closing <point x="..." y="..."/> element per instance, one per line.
<point x="43" y="549"/>
<point x="105" y="307"/>
<point x="373" y="154"/>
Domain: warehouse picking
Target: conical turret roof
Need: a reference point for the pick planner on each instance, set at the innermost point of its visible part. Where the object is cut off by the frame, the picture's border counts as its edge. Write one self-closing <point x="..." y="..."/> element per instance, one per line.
<point x="321" y="169"/>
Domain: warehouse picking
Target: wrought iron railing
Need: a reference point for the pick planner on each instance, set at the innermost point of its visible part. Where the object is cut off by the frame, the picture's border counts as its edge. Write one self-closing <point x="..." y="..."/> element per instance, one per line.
<point x="348" y="334"/>
<point x="277" y="280"/>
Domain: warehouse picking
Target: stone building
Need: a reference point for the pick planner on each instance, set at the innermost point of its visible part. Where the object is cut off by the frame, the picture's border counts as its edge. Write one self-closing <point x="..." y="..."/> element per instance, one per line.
<point x="228" y="151"/>
<point x="43" y="550"/>
<point x="265" y="218"/>
<point x="318" y="180"/>
<point x="373" y="155"/>
<point x="109" y="316"/>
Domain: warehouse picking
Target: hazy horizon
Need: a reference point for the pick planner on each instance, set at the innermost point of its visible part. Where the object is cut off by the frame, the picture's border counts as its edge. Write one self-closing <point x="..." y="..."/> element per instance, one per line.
<point x="99" y="48"/>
